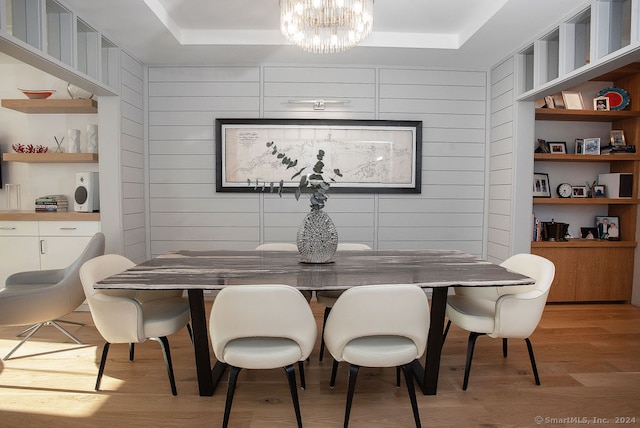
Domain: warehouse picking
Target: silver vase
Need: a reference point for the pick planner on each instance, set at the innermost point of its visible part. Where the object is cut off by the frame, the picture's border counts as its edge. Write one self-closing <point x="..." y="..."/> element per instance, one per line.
<point x="317" y="238"/>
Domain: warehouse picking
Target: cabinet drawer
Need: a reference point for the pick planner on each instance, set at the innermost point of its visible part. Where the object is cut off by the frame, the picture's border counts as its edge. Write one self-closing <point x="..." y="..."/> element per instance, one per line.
<point x="69" y="228"/>
<point x="18" y="228"/>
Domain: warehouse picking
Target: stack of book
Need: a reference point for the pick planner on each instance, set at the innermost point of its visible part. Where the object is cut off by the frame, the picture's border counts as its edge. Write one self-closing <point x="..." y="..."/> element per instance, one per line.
<point x="51" y="203"/>
<point x="611" y="150"/>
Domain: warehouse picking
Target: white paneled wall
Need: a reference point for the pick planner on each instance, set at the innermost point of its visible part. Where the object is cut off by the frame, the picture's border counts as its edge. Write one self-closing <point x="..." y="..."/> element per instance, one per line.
<point x="133" y="158"/>
<point x="501" y="161"/>
<point x="187" y="213"/>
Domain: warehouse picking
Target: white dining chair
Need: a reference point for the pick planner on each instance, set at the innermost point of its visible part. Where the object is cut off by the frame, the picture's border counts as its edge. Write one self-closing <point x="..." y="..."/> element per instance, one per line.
<point x="132" y="316"/>
<point x="503" y="312"/>
<point x="328" y="298"/>
<point x="378" y="326"/>
<point x="262" y="327"/>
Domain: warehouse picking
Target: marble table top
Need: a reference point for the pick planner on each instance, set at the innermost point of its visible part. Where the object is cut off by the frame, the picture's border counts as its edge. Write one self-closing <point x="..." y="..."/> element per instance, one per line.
<point x="211" y="270"/>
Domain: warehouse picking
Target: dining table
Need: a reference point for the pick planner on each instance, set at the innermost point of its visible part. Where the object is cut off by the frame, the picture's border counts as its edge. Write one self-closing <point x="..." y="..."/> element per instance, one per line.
<point x="199" y="270"/>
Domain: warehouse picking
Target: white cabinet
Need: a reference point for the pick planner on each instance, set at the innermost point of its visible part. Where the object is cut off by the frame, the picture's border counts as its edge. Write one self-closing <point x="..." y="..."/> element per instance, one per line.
<point x="61" y="242"/>
<point x="19" y="247"/>
<point x="33" y="245"/>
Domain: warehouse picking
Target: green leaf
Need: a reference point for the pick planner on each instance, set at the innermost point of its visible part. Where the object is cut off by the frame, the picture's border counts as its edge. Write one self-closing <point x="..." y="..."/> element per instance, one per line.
<point x="280" y="188"/>
<point x="298" y="173"/>
<point x="270" y="143"/>
<point x="280" y="155"/>
<point x="298" y="193"/>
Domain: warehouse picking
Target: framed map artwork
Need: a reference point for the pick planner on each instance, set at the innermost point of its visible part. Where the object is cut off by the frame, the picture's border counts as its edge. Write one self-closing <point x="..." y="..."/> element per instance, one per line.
<point x="374" y="156"/>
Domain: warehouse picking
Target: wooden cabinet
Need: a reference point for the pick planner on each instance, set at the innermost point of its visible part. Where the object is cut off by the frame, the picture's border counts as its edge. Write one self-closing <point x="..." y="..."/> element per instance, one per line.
<point x="18" y="247"/>
<point x="593" y="270"/>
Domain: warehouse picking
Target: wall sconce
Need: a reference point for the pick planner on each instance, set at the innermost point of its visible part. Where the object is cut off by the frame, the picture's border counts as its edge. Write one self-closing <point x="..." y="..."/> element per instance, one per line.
<point x="319" y="104"/>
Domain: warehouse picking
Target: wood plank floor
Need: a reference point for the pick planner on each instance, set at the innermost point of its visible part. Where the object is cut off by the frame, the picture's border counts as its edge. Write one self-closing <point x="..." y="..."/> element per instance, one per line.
<point x="588" y="359"/>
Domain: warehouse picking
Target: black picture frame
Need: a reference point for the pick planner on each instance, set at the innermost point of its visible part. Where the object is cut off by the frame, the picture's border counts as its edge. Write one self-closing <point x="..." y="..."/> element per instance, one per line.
<point x="541" y="185"/>
<point x="605" y="226"/>
<point x="381" y="156"/>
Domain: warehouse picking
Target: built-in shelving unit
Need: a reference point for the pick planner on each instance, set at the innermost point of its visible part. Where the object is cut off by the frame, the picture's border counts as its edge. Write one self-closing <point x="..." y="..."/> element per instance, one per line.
<point x="50" y="157"/>
<point x="590" y="270"/>
<point x="52" y="106"/>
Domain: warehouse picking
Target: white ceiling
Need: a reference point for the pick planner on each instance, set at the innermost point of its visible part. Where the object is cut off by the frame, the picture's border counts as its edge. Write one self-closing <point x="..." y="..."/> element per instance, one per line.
<point x="448" y="33"/>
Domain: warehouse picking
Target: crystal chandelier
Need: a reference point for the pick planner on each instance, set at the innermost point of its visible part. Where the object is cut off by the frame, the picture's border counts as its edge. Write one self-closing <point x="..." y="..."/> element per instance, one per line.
<point x="326" y="26"/>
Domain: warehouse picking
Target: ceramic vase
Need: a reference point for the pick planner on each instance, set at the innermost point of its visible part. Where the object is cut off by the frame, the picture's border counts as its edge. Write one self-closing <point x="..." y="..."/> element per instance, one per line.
<point x="317" y="238"/>
<point x="74" y="141"/>
<point x="92" y="138"/>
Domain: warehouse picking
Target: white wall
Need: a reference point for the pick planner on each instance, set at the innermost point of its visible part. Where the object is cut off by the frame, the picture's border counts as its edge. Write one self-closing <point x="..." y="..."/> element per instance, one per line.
<point x="186" y="212"/>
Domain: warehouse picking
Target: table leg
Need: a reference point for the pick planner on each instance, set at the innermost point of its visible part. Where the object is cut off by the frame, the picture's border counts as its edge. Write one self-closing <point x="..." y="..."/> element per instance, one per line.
<point x="427" y="378"/>
<point x="201" y="342"/>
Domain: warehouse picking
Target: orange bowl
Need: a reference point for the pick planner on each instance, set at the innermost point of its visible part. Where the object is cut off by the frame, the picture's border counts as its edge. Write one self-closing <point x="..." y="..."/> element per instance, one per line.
<point x="37" y="94"/>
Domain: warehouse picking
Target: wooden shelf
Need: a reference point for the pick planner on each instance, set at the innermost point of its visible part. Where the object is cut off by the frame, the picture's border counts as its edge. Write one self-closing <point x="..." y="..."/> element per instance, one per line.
<point x="584" y="115"/>
<point x="50" y="157"/>
<point x="583" y="243"/>
<point x="61" y="216"/>
<point x="586" y="201"/>
<point x="52" y="106"/>
<point x="551" y="157"/>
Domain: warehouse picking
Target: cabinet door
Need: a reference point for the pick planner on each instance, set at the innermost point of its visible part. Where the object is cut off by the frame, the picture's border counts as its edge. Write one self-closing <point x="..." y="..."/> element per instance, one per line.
<point x="607" y="277"/>
<point x="563" y="288"/>
<point x="18" y="254"/>
<point x="60" y="251"/>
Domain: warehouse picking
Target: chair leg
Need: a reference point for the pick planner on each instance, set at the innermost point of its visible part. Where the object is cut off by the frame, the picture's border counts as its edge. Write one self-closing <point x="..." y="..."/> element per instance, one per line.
<point x="353" y="375"/>
<point x="28" y="329"/>
<point x="324" y="322"/>
<point x="190" y="332"/>
<point x="446" y="331"/>
<point x="103" y="361"/>
<point x="303" y="384"/>
<point x="233" y="378"/>
<point x="132" y="351"/>
<point x="398" y="377"/>
<point x="533" y="361"/>
<point x="164" y="343"/>
<point x="504" y="347"/>
<point x="411" y="389"/>
<point x="64" y="331"/>
<point x="467" y="368"/>
<point x="291" y="376"/>
<point x="334" y="371"/>
<point x="34" y="330"/>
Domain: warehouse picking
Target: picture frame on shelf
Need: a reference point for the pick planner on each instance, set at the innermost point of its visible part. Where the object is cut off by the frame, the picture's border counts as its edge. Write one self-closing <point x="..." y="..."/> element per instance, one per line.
<point x="588" y="233"/>
<point x="578" y="191"/>
<point x="557" y="147"/>
<point x="616" y="136"/>
<point x="591" y="146"/>
<point x="608" y="227"/>
<point x="543" y="146"/>
<point x="548" y="102"/>
<point x="579" y="146"/>
<point x="541" y="185"/>
<point x="599" y="191"/>
<point x="572" y="100"/>
<point x="601" y="104"/>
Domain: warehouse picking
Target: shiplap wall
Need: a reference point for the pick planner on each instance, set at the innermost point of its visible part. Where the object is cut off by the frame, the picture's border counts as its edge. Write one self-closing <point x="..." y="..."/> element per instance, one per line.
<point x="501" y="161"/>
<point x="133" y="158"/>
<point x="187" y="213"/>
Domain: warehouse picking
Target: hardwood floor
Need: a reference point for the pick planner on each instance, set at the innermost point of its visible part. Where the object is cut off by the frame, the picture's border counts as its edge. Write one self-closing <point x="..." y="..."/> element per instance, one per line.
<point x="587" y="355"/>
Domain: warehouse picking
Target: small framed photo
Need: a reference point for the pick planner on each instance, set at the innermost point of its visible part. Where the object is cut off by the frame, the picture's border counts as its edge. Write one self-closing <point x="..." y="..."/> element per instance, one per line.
<point x="559" y="147"/>
<point x="541" y="185"/>
<point x="588" y="233"/>
<point x="579" y="146"/>
<point x="543" y="146"/>
<point x="548" y="101"/>
<point x="572" y="100"/>
<point x="608" y="228"/>
<point x="579" y="191"/>
<point x="599" y="191"/>
<point x="617" y="137"/>
<point x="591" y="146"/>
<point x="601" y="103"/>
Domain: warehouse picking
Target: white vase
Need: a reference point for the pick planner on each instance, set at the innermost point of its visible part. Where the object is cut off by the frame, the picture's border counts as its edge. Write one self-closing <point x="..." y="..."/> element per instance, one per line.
<point x="92" y="138"/>
<point x="74" y="141"/>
